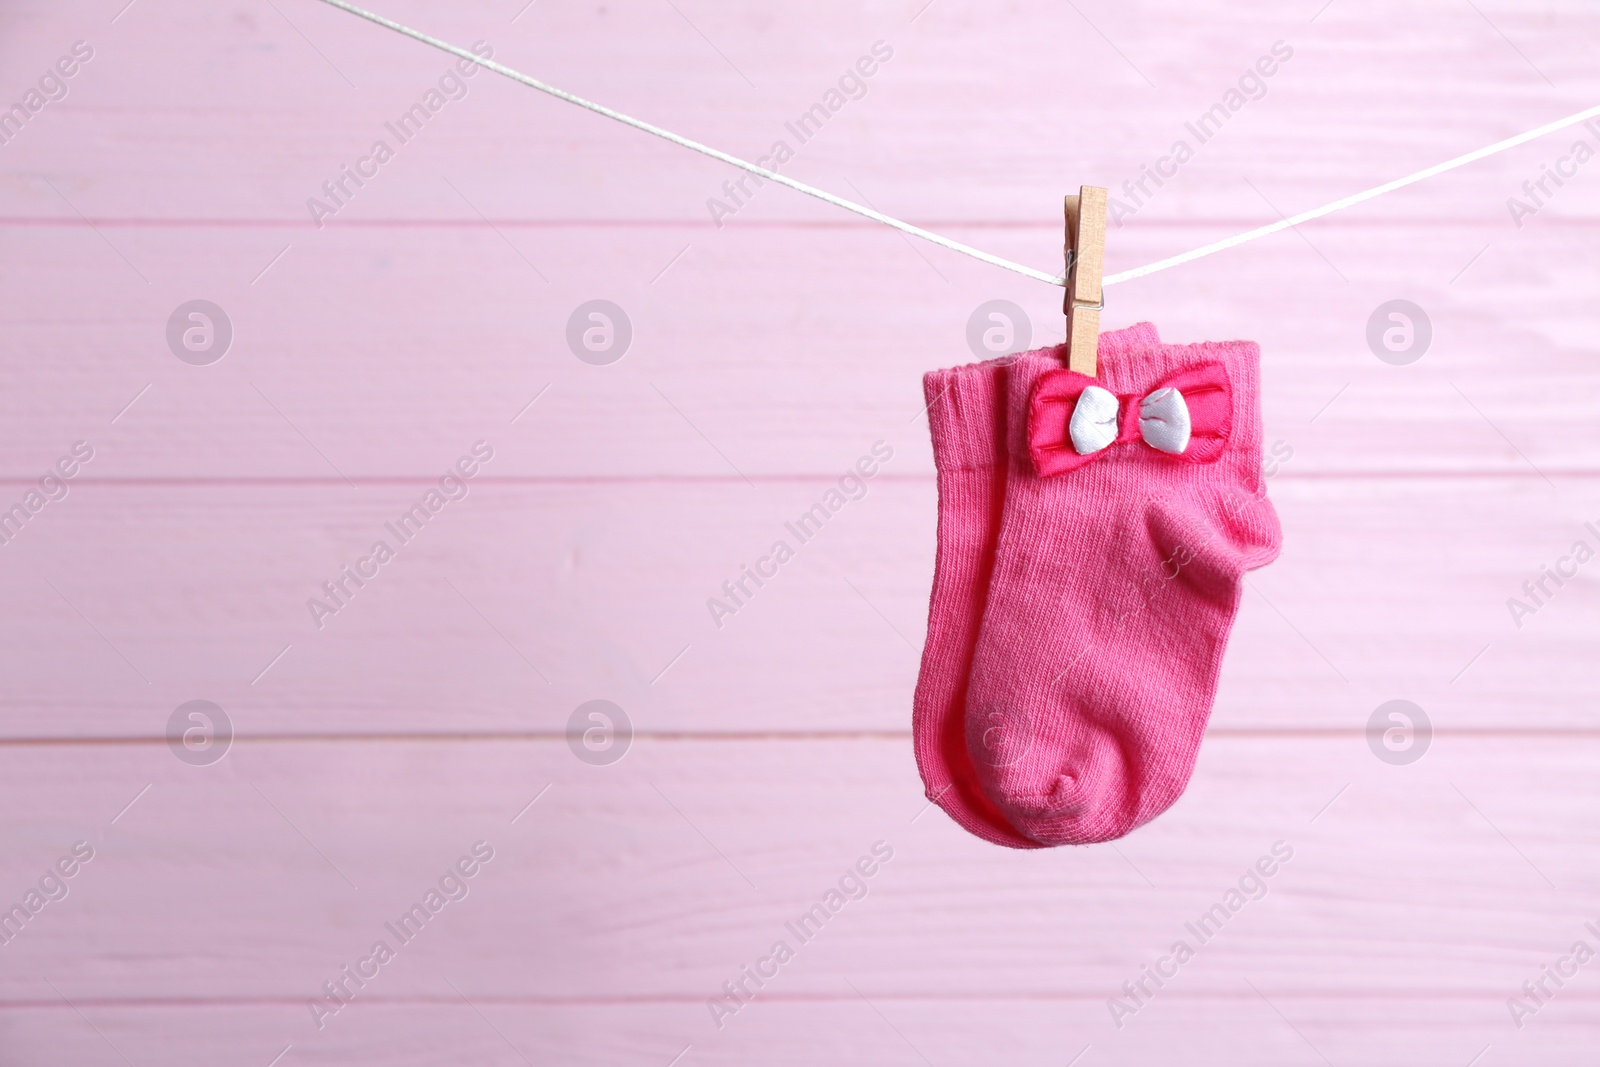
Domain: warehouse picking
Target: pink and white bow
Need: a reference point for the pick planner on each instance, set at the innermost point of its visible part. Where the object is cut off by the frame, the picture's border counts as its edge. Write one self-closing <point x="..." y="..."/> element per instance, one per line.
<point x="1072" y="419"/>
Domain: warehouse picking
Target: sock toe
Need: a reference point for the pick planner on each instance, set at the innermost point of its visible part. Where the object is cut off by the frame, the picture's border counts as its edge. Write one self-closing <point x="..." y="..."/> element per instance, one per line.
<point x="1066" y="796"/>
<point x="1073" y="793"/>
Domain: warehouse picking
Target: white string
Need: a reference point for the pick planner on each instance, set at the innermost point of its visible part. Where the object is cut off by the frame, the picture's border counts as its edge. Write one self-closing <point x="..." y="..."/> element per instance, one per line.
<point x="1351" y="201"/>
<point x="837" y="201"/>
<point x="957" y="246"/>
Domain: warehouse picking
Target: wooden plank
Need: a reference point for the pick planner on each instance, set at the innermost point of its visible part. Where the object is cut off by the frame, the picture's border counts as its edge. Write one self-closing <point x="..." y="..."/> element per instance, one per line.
<point x="661" y="875"/>
<point x="1385" y="1032"/>
<point x="279" y="115"/>
<point x="521" y="601"/>
<point x="766" y="352"/>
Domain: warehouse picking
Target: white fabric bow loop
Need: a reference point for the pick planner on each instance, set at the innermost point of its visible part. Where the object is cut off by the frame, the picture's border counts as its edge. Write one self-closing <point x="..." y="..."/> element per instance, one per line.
<point x="1094" y="420"/>
<point x="1163" y="421"/>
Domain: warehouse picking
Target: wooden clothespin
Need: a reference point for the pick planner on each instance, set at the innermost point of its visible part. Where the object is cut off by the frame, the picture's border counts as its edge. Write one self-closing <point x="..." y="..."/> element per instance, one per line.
<point x="1086" y="257"/>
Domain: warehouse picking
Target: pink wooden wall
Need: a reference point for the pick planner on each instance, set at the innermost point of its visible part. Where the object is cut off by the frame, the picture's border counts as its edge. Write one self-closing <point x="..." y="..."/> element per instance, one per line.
<point x="372" y="753"/>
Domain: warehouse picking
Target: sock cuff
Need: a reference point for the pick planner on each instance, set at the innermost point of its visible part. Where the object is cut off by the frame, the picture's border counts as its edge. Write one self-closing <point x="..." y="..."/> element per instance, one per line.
<point x="967" y="415"/>
<point x="967" y="406"/>
<point x="1132" y="368"/>
<point x="1129" y="341"/>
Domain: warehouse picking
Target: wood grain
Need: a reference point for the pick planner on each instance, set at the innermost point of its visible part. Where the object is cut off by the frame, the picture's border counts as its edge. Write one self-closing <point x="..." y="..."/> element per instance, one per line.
<point x="517" y="603"/>
<point x="430" y="312"/>
<point x="762" y="351"/>
<point x="661" y="875"/>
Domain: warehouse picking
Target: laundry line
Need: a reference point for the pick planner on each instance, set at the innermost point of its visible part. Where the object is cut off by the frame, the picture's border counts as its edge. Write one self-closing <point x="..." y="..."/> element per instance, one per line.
<point x="945" y="242"/>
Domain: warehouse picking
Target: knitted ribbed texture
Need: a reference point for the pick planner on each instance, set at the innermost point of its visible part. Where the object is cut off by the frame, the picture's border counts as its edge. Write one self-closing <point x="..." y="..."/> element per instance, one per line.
<point x="1111" y="596"/>
<point x="967" y="409"/>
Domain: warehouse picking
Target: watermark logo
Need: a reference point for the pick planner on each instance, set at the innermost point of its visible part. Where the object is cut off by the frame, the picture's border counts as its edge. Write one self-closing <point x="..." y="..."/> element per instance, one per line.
<point x="199" y="332"/>
<point x="50" y="888"/>
<point x="852" y="486"/>
<point x="1537" y="589"/>
<point x="998" y="328"/>
<point x="599" y="332"/>
<point x="451" y="887"/>
<point x="199" y="732"/>
<point x="599" y="732"/>
<point x="1399" y="332"/>
<point x="1250" y="85"/>
<point x="51" y="87"/>
<point x="52" y="486"/>
<point x="1536" y="992"/>
<point x="851" y="886"/>
<point x="1538" y="191"/>
<point x="1399" y="732"/>
<point x="342" y="188"/>
<point x="340" y="590"/>
<point x="999" y="735"/>
<point x="852" y="85"/>
<point x="1251" y="886"/>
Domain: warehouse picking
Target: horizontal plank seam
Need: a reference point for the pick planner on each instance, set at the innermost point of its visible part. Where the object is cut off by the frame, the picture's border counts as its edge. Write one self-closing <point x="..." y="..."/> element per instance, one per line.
<point x="1288" y="733"/>
<point x="1094" y="996"/>
<point x="807" y="478"/>
<point x="1042" y="225"/>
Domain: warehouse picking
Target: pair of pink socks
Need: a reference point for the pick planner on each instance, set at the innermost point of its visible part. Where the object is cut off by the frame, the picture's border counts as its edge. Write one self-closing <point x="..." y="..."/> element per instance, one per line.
<point x="1093" y="540"/>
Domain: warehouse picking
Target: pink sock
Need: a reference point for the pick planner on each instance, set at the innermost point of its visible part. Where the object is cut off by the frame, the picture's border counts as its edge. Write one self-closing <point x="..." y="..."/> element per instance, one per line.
<point x="1125" y="535"/>
<point x="967" y="416"/>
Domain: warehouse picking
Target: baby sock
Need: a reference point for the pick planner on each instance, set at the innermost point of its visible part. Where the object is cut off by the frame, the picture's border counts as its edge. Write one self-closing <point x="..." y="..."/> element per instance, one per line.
<point x="967" y="417"/>
<point x="1134" y="504"/>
